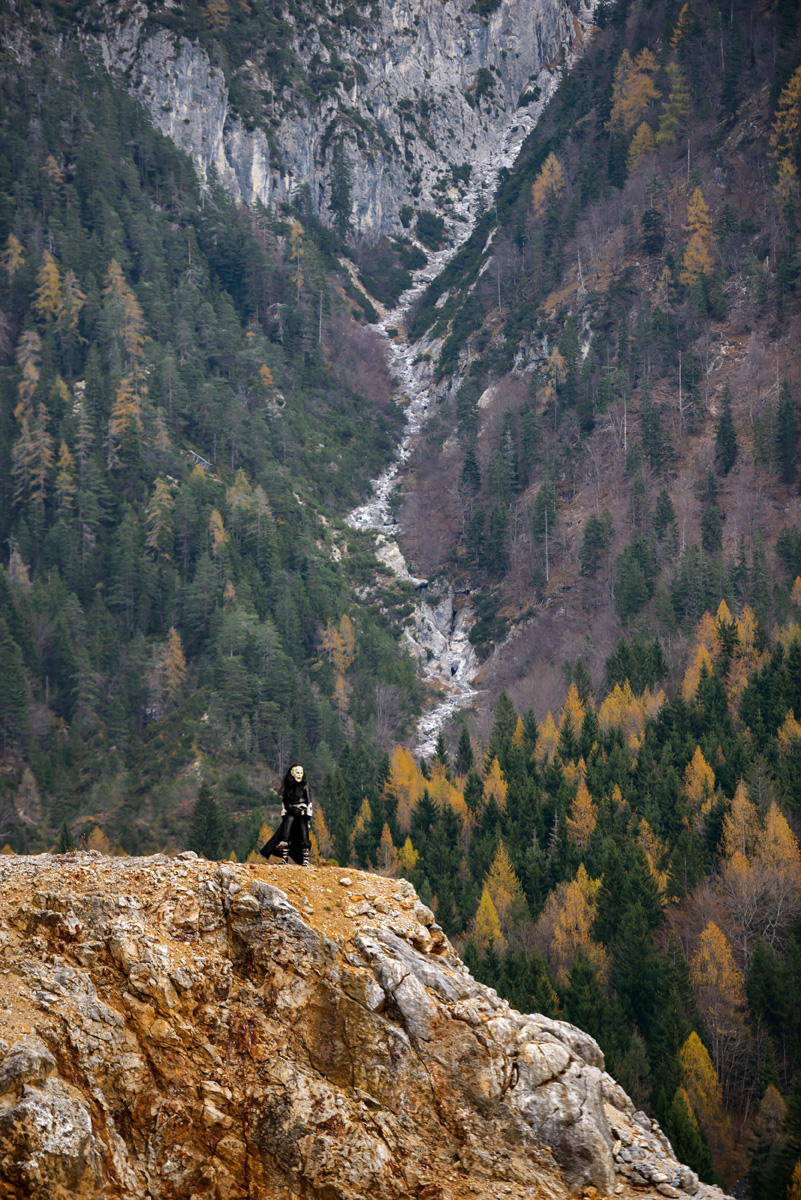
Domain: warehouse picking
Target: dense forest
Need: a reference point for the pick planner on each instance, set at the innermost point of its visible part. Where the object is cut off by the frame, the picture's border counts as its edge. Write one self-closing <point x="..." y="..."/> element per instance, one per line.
<point x="632" y="867"/>
<point x="188" y="410"/>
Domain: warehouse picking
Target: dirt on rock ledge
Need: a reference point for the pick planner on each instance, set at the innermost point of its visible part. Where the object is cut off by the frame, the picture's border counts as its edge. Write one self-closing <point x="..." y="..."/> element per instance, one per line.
<point x="177" y="1029"/>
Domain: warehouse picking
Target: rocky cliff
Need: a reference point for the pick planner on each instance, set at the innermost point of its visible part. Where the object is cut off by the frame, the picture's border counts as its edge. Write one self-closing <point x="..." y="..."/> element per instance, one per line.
<point x="411" y="93"/>
<point x="180" y="1028"/>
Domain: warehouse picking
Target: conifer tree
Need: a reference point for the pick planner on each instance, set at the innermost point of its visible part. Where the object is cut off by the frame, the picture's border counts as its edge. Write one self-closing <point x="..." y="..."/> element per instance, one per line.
<point x="206" y="828"/>
<point x="676" y="108"/>
<point x="786" y="436"/>
<point x="696" y="260"/>
<point x="726" y="448"/>
<point x="341" y="186"/>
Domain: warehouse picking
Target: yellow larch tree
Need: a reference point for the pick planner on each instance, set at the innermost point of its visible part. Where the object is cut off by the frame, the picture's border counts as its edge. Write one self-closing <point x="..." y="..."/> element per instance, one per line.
<point x="321" y="832"/>
<point x="683" y="27"/>
<point x="239" y="495"/>
<point x="700" y="1080"/>
<point x="699" y="786"/>
<point x="125" y="422"/>
<point x="216" y="15"/>
<point x="655" y="852"/>
<point x="697" y="260"/>
<point x="700" y="661"/>
<point x="174" y="664"/>
<point x="66" y="487"/>
<point x="549" y="182"/>
<point x="442" y="791"/>
<point x="519" y="735"/>
<point x="29" y="352"/>
<point x="495" y="785"/>
<point x="567" y="923"/>
<point x="506" y="891"/>
<point x="789" y="733"/>
<point x="408" y="858"/>
<point x="633" y="89"/>
<point x="405" y="785"/>
<point x="486" y="927"/>
<point x="72" y="303"/>
<point x="547" y="739"/>
<point x="217" y="533"/>
<point x="387" y="863"/>
<point x="158" y="519"/>
<point x="720" y="992"/>
<point x="787" y="122"/>
<point x="622" y="708"/>
<point x="583" y="816"/>
<point x="572" y="709"/>
<point x="641" y="144"/>
<point x="778" y="863"/>
<point x="794" y="1187"/>
<point x="13" y="256"/>
<point x="741" y="825"/>
<point x="795" y="593"/>
<point x="48" y="297"/>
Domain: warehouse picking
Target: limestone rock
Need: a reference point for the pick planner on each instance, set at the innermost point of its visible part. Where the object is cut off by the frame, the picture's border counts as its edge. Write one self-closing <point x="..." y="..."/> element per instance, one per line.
<point x="432" y="87"/>
<point x="200" y="1031"/>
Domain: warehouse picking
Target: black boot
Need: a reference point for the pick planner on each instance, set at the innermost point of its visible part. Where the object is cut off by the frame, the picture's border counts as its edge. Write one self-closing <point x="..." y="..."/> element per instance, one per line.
<point x="305" y="856"/>
<point x="285" y="856"/>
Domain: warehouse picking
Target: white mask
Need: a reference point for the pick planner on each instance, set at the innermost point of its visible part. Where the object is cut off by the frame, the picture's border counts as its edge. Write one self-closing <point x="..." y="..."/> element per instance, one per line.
<point x="297" y="774"/>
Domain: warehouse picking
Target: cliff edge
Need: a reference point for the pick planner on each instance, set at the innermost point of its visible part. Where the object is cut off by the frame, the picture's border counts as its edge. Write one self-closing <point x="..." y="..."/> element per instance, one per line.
<point x="171" y="1027"/>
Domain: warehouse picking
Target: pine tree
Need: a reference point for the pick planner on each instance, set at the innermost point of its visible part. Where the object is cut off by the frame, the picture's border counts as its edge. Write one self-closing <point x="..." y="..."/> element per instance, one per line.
<point x="206" y="831"/>
<point x="464" y="752"/>
<point x="471" y="474"/>
<point x="726" y="448"/>
<point x="786" y="436"/>
<point x="13" y="693"/>
<point x="653" y="231"/>
<point x="596" y="544"/>
<point x="341" y="186"/>
<point x="65" y="843"/>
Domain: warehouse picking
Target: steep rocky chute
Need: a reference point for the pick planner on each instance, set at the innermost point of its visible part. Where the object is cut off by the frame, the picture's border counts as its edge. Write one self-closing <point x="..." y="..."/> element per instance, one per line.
<point x="452" y="84"/>
<point x="177" y="1027"/>
<point x="442" y="621"/>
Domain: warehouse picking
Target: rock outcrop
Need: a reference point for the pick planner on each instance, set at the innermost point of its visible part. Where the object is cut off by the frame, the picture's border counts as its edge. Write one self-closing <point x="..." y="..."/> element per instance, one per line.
<point x="422" y="88"/>
<point x="178" y="1028"/>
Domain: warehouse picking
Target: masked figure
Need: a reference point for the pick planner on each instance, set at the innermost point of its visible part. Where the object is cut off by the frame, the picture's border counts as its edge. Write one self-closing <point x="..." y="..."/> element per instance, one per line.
<point x="292" y="836"/>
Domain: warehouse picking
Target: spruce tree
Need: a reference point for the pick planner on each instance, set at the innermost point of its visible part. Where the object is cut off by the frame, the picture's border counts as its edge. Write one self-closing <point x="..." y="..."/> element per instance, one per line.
<point x="726" y="448"/>
<point x="786" y="436"/>
<point x="464" y="752"/>
<point x="206" y="829"/>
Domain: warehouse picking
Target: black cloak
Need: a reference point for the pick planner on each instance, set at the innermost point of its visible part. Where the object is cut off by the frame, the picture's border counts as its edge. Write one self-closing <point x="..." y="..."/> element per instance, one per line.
<point x="293" y="793"/>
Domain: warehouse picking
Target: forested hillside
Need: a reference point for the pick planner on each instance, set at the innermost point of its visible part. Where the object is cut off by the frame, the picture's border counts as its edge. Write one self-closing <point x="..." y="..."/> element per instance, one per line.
<point x="188" y="410"/>
<point x="617" y="353"/>
<point x="613" y="469"/>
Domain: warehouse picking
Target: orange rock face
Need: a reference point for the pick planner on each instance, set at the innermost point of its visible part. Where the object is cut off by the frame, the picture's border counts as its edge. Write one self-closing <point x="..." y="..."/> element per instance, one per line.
<point x="176" y="1029"/>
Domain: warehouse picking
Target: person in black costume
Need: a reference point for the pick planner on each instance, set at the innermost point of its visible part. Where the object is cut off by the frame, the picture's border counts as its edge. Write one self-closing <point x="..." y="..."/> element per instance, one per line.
<point x="292" y="836"/>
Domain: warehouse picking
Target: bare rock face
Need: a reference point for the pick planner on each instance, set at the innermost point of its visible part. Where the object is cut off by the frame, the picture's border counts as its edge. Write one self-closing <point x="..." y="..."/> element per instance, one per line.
<point x="426" y="88"/>
<point x="177" y="1028"/>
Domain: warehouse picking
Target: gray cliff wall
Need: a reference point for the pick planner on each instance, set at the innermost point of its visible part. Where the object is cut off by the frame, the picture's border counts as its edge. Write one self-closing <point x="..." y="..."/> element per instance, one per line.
<point x="427" y="56"/>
